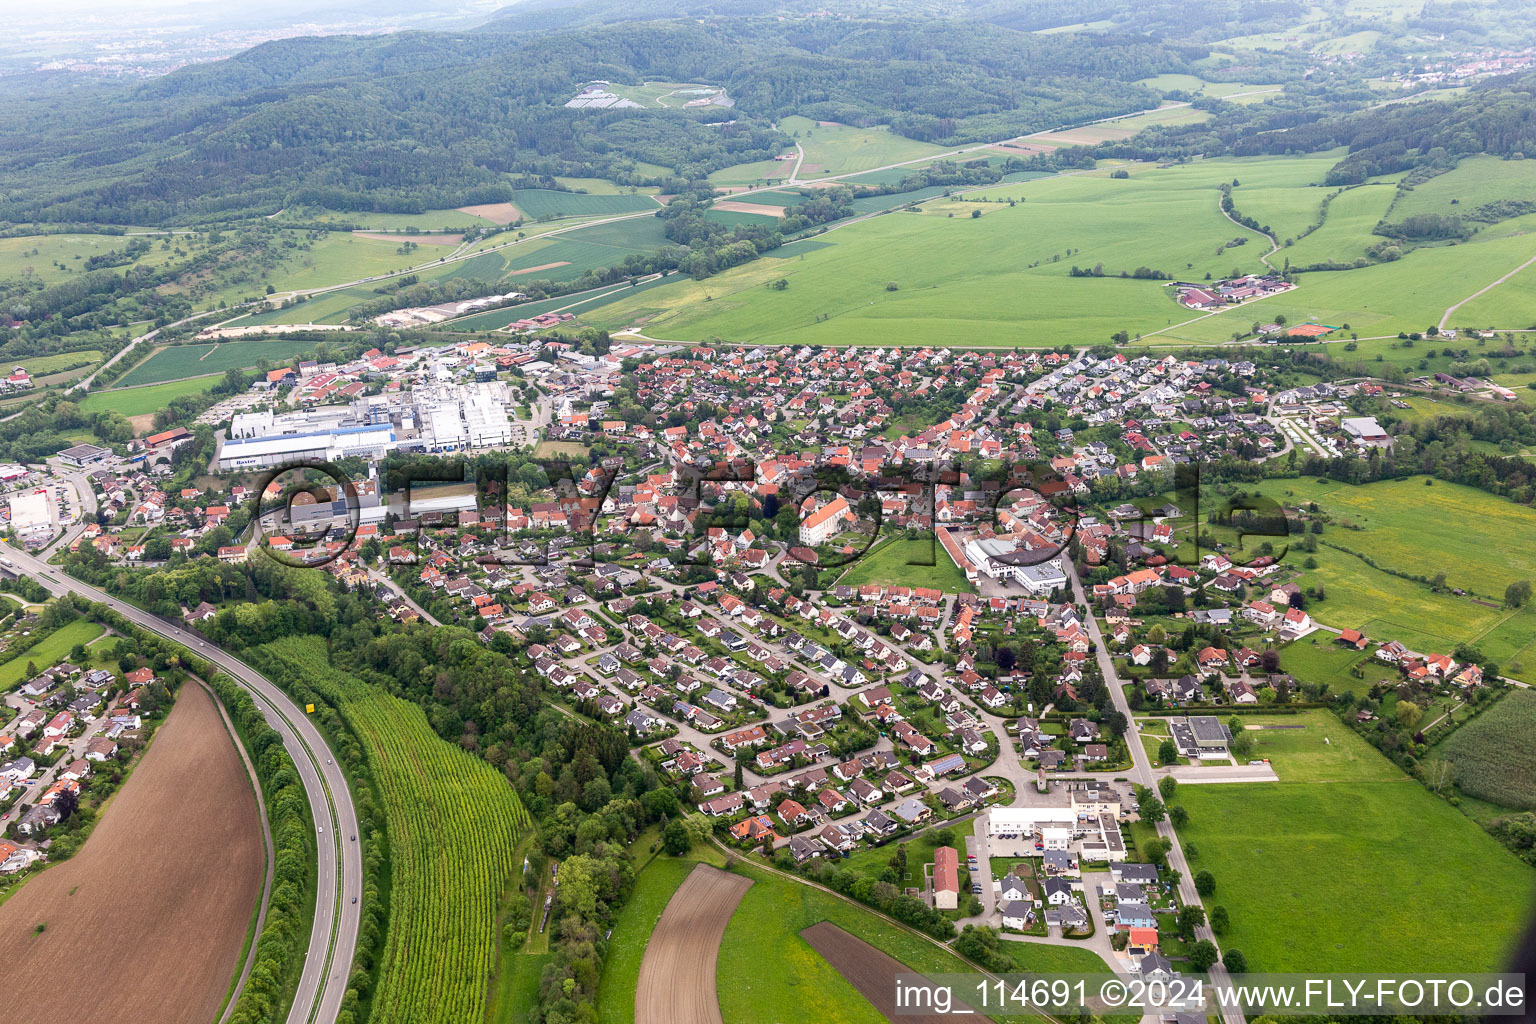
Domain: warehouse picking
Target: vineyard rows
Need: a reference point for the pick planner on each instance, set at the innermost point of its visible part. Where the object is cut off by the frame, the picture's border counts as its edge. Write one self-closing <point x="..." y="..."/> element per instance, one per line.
<point x="452" y="822"/>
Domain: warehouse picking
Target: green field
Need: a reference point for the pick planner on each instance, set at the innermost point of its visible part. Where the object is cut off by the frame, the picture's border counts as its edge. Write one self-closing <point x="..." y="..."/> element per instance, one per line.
<point x="1295" y="862"/>
<point x="452" y="822"/>
<point x="1475" y="180"/>
<point x="177" y="362"/>
<point x="547" y="202"/>
<point x="50" y="651"/>
<point x="997" y="279"/>
<point x="1346" y="231"/>
<point x="1324" y="749"/>
<point x="1481" y="542"/>
<point x="338" y="257"/>
<point x="795" y="983"/>
<point x="887" y="563"/>
<point x="38" y="256"/>
<point x="38" y="366"/>
<point x="427" y="220"/>
<point x="142" y="401"/>
<point x="1494" y="755"/>
<point x="516" y="989"/>
<point x="1001" y="278"/>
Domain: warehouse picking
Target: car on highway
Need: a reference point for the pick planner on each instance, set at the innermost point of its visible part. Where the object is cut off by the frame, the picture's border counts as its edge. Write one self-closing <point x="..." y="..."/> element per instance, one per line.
<point x="354" y="839"/>
<point x="320" y="828"/>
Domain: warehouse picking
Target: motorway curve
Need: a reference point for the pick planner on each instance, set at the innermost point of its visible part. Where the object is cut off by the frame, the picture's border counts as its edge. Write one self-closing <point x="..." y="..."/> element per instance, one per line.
<point x="333" y="941"/>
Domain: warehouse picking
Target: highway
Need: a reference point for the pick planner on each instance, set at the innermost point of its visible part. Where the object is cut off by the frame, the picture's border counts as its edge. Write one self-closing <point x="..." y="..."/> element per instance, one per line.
<point x="333" y="940"/>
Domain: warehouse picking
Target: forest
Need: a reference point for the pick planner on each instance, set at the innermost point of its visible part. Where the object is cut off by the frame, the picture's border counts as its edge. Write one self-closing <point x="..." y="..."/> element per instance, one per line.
<point x="417" y="121"/>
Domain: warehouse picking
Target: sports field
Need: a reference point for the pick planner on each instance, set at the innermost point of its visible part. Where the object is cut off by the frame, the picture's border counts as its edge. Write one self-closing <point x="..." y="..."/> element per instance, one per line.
<point x="177" y="362"/>
<point x="1295" y="863"/>
<point x="887" y="563"/>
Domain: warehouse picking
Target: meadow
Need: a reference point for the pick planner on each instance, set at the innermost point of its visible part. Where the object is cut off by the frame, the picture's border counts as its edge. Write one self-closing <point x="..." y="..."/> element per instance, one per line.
<point x="1346" y="232"/>
<point x="890" y="563"/>
<point x="991" y="266"/>
<point x="39" y="256"/>
<point x="427" y="220"/>
<point x="796" y="984"/>
<point x="60" y="361"/>
<point x="971" y="272"/>
<point x="831" y="150"/>
<point x="655" y="882"/>
<point x="1493" y="754"/>
<point x="142" y="401"/>
<point x="1481" y="542"/>
<point x="177" y="362"/>
<point x="1295" y="861"/>
<point x="1474" y="181"/>
<point x="49" y="651"/>
<point x="338" y="257"/>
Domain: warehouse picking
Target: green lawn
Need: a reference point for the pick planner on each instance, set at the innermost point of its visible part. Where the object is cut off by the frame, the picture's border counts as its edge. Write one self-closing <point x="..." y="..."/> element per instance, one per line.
<point x="1344" y="833"/>
<point x="887" y="563"/>
<point x="52" y="650"/>
<point x="1481" y="542"/>
<point x="145" y="400"/>
<point x="1323" y="750"/>
<point x="516" y="987"/>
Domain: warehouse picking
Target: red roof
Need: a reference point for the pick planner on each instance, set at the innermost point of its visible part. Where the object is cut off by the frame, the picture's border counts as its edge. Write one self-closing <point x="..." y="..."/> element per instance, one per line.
<point x="946" y="870"/>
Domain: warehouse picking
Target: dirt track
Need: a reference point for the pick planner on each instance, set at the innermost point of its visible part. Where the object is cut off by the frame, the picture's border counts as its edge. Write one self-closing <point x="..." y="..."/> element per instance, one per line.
<point x="677" y="976"/>
<point x="146" y="922"/>
<point x="870" y="971"/>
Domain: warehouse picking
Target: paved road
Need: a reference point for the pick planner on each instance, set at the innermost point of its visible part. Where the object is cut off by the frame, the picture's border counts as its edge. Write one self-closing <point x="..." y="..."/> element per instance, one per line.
<point x="1143" y="774"/>
<point x="333" y="940"/>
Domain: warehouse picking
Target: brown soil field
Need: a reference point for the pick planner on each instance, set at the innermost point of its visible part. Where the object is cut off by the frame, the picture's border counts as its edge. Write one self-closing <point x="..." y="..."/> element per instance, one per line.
<point x="385" y="236"/>
<point x="677" y="976"/>
<point x="760" y="208"/>
<point x="870" y="971"/>
<point x="153" y="910"/>
<point x="496" y="213"/>
<point x="541" y="266"/>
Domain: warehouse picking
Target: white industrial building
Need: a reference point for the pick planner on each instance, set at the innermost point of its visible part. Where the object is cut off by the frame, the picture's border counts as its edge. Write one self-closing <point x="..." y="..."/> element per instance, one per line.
<point x="31" y="514"/>
<point x="325" y="446"/>
<point x="433" y="418"/>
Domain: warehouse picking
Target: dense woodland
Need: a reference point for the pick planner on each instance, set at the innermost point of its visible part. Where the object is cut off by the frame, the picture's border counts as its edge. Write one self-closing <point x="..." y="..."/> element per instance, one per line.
<point x="416" y="121"/>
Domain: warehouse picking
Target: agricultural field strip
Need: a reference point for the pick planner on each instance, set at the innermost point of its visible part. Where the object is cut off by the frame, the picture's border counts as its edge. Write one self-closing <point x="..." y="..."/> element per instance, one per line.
<point x="335" y="929"/>
<point x="677" y="975"/>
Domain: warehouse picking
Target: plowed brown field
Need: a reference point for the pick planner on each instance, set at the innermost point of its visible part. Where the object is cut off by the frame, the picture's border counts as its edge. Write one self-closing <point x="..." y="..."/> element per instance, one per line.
<point x="870" y="971"/>
<point x="147" y="921"/>
<point x="677" y="976"/>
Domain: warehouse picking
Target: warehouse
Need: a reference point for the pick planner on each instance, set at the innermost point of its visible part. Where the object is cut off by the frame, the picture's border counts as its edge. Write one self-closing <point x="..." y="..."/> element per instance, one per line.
<point x="292" y="449"/>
